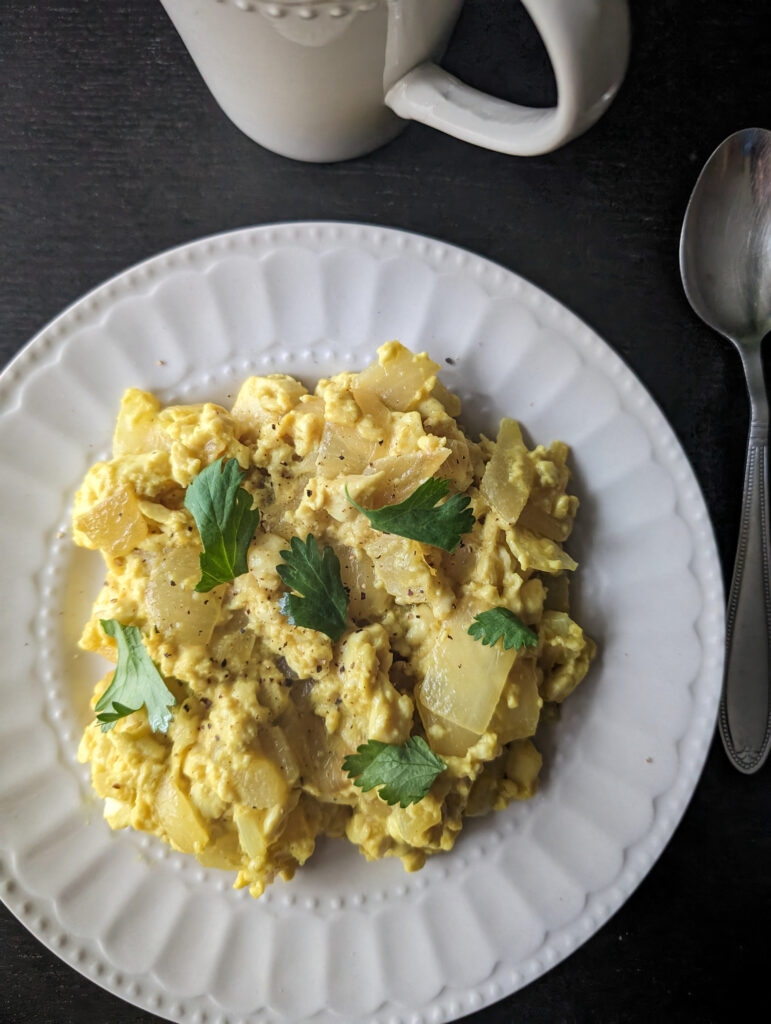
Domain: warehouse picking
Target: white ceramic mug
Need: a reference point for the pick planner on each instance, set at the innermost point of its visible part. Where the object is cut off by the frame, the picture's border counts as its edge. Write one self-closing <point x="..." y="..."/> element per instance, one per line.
<point x="332" y="79"/>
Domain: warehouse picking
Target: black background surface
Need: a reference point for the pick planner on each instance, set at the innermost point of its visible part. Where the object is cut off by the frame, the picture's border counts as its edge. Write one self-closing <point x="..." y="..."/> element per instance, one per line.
<point x="111" y="150"/>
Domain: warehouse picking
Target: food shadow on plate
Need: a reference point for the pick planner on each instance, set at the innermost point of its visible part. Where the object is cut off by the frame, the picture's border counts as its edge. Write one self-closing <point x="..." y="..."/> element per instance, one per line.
<point x="478" y="414"/>
<point x="338" y="870"/>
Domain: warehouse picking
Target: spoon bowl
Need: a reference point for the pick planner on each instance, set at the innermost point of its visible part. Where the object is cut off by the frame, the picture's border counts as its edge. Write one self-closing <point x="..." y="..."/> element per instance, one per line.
<point x="725" y="250"/>
<point x="725" y="263"/>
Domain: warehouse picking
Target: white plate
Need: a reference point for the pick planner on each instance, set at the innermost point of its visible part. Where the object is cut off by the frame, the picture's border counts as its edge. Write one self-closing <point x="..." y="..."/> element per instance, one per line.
<point x="348" y="940"/>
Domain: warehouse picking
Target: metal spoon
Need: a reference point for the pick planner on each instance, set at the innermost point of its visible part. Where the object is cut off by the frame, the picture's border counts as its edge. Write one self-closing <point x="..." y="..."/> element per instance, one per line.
<point x="725" y="263"/>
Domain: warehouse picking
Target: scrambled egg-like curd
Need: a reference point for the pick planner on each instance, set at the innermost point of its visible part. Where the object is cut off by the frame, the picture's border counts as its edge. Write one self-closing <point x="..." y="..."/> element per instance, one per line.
<point x="250" y="770"/>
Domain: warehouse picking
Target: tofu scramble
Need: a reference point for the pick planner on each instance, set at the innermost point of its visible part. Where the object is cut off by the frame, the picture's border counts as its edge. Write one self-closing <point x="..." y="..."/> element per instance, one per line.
<point x="250" y="770"/>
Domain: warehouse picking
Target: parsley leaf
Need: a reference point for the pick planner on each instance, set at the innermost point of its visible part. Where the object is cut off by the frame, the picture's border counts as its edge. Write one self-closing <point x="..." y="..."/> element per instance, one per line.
<point x="405" y="773"/>
<point x="491" y="625"/>
<point x="135" y="682"/>
<point x="315" y="574"/>
<point x="226" y="521"/>
<point x="420" y="518"/>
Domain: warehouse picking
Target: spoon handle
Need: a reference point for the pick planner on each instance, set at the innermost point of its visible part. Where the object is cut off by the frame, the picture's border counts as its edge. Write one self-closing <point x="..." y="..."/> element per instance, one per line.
<point x="745" y="708"/>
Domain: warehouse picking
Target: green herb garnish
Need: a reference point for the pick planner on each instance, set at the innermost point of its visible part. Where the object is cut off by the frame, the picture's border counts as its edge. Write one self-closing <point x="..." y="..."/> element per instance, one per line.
<point x="315" y="574"/>
<point x="135" y="682"/>
<point x="420" y="518"/>
<point x="491" y="625"/>
<point x="405" y="773"/>
<point x="226" y="521"/>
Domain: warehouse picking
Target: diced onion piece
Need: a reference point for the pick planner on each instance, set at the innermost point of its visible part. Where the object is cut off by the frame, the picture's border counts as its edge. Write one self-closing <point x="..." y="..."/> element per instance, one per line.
<point x="260" y="783"/>
<point x="173" y="606"/>
<point x="342" y="452"/>
<point x="325" y="770"/>
<point x="115" y="525"/>
<point x="537" y="553"/>
<point x="274" y="742"/>
<point x="158" y="513"/>
<point x="366" y="598"/>
<point x="464" y="678"/>
<point x="508" y="476"/>
<point x="370" y="404"/>
<point x="232" y="641"/>
<point x="319" y="755"/>
<point x="445" y="737"/>
<point x="558" y="625"/>
<point x="399" y="378"/>
<point x="535" y="519"/>
<point x="486" y="790"/>
<point x="458" y="467"/>
<point x="449" y="399"/>
<point x="558" y="593"/>
<point x="224" y="852"/>
<point x="401" y="475"/>
<point x="179" y="818"/>
<point x="461" y="564"/>
<point x="287" y="495"/>
<point x="519" y="708"/>
<point x="401" y="568"/>
<point x="250" y="834"/>
<point x="310" y="405"/>
<point x="137" y="429"/>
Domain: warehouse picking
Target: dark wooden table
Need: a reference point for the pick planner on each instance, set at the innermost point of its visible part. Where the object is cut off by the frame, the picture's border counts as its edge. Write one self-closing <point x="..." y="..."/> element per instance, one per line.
<point x="111" y="149"/>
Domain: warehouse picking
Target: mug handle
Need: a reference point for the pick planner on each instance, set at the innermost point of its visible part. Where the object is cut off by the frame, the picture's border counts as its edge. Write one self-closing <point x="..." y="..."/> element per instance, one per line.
<point x="588" y="44"/>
